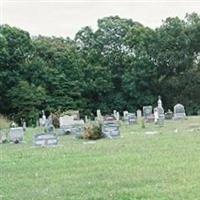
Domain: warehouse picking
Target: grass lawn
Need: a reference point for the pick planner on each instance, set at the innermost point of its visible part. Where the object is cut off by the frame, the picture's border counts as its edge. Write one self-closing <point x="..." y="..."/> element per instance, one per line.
<point x="136" y="166"/>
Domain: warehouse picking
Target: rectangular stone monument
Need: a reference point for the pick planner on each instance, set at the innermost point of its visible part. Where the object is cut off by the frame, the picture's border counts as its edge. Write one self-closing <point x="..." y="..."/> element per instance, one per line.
<point x="147" y="113"/>
<point x="179" y="112"/>
<point x="72" y="127"/>
<point x="125" y="115"/>
<point x="16" y="135"/>
<point x="110" y="127"/>
<point x="45" y="140"/>
<point x="132" y="119"/>
<point x="139" y="113"/>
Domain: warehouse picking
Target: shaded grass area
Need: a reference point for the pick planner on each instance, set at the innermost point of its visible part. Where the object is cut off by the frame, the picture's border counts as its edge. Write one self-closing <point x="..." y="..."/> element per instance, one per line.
<point x="135" y="166"/>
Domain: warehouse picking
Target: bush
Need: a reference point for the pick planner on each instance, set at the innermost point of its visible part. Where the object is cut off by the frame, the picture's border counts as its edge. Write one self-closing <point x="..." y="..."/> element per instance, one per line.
<point x="92" y="131"/>
<point x="4" y="122"/>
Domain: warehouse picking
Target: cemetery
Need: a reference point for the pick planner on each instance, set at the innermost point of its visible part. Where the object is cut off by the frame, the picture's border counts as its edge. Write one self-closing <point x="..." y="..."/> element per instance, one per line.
<point x="130" y="152"/>
<point x="97" y="106"/>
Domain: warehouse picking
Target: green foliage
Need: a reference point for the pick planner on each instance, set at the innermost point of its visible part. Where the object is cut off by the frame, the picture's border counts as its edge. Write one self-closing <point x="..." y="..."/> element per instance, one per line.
<point x="4" y="122"/>
<point x="92" y="131"/>
<point x="122" y="65"/>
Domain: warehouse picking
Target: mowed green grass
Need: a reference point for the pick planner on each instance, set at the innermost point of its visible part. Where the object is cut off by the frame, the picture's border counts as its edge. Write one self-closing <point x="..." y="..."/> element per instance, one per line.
<point x="136" y="166"/>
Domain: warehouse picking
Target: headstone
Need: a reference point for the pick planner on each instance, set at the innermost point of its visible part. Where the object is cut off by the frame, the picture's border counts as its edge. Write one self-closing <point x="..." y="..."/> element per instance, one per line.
<point x="86" y="119"/>
<point x="161" y="113"/>
<point x="132" y="119"/>
<point x="75" y="127"/>
<point x="110" y="127"/>
<point x="168" y="115"/>
<point x="99" y="116"/>
<point x="147" y="113"/>
<point x="155" y="112"/>
<point x="49" y="125"/>
<point x="45" y="140"/>
<point x="16" y="135"/>
<point x="3" y="135"/>
<point x="117" y="116"/>
<point x="65" y="120"/>
<point x="139" y="113"/>
<point x="125" y="115"/>
<point x="179" y="112"/>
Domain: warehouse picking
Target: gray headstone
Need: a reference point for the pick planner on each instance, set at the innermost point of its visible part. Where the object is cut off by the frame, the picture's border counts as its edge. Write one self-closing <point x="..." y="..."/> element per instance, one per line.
<point x="16" y="134"/>
<point x="125" y="115"/>
<point x="139" y="113"/>
<point x="147" y="113"/>
<point x="45" y="140"/>
<point x="110" y="128"/>
<point x="161" y="112"/>
<point x="132" y="119"/>
<point x="179" y="112"/>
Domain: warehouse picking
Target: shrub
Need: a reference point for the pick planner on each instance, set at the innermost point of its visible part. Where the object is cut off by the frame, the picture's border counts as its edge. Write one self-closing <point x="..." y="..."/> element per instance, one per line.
<point x="4" y="122"/>
<point x="92" y="131"/>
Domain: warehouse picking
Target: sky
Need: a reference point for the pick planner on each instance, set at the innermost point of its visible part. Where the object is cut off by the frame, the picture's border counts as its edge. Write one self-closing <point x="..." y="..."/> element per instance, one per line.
<point x="65" y="18"/>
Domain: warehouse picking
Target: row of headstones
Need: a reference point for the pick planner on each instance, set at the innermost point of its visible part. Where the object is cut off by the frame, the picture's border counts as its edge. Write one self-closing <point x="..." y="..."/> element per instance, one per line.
<point x="157" y="116"/>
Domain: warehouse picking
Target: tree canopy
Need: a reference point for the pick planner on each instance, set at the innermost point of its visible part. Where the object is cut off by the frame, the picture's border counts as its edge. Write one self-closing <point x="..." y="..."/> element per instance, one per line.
<point x="120" y="65"/>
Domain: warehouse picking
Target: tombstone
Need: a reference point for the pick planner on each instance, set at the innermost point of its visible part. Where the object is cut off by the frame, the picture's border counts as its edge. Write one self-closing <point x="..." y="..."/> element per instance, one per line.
<point x="179" y="112"/>
<point x="86" y="119"/>
<point x="99" y="116"/>
<point x="125" y="115"/>
<point x="3" y="135"/>
<point x="70" y="126"/>
<point x="16" y="135"/>
<point x="132" y="119"/>
<point x="168" y="115"/>
<point x="161" y="113"/>
<point x="139" y="113"/>
<point x="45" y="140"/>
<point x="49" y="125"/>
<point x="198" y="112"/>
<point x="155" y="112"/>
<point x="110" y="127"/>
<point x="117" y="116"/>
<point x="147" y="113"/>
<point x="65" y="120"/>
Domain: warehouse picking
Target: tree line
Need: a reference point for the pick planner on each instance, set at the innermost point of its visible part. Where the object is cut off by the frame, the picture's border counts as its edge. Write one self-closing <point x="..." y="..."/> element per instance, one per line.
<point x="122" y="65"/>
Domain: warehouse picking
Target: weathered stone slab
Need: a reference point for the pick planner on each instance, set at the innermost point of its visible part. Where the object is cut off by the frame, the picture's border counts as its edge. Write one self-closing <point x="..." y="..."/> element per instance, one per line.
<point x="110" y="127"/>
<point x="45" y="140"/>
<point x="132" y="119"/>
<point x="16" y="135"/>
<point x="179" y="112"/>
<point x="147" y="113"/>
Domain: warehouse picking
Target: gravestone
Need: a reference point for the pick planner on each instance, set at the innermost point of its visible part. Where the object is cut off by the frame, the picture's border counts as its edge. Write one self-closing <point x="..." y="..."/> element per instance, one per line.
<point x="156" y="117"/>
<point x="110" y="127"/>
<point x="161" y="113"/>
<point x="117" y="116"/>
<point x="45" y="140"/>
<point x="179" y="112"/>
<point x="72" y="127"/>
<point x="3" y="135"/>
<point x="139" y="113"/>
<point x="99" y="116"/>
<point x="147" y="113"/>
<point x="125" y="115"/>
<point x="16" y="135"/>
<point x="132" y="119"/>
<point x="168" y="115"/>
<point x="65" y="120"/>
